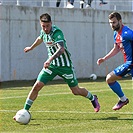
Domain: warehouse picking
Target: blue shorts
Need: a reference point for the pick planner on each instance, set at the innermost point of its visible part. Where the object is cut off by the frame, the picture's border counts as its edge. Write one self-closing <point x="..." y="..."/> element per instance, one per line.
<point x="123" y="69"/>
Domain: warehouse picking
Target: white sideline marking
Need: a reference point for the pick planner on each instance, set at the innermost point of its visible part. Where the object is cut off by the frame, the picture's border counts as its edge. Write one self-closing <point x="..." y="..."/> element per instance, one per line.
<point x="38" y="95"/>
<point x="72" y="112"/>
<point x="51" y="94"/>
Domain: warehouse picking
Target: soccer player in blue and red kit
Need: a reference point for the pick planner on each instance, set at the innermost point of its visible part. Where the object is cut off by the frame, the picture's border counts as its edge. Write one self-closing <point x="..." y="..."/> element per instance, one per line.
<point x="123" y="41"/>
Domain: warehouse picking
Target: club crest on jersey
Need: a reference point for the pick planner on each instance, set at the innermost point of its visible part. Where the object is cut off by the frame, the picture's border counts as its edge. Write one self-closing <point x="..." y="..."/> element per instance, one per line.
<point x="59" y="36"/>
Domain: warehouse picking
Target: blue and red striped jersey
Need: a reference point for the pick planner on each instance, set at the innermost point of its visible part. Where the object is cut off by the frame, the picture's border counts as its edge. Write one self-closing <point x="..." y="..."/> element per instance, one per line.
<point x="124" y="40"/>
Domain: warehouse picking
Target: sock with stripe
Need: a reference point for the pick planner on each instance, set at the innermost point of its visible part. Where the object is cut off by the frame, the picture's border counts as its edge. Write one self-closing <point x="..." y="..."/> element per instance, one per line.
<point x="28" y="104"/>
<point x="90" y="96"/>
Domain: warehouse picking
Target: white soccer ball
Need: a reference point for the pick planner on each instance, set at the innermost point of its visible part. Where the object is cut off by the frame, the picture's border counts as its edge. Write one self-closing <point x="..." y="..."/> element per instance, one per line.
<point x="93" y="76"/>
<point x="23" y="116"/>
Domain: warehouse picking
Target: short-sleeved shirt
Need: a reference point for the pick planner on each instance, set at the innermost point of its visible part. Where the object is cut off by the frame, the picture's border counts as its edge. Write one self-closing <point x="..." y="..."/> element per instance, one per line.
<point x="62" y="65"/>
<point x="124" y="40"/>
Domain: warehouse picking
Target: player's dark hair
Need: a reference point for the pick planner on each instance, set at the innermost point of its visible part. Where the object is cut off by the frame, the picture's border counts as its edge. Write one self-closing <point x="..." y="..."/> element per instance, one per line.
<point x="116" y="15"/>
<point x="45" y="18"/>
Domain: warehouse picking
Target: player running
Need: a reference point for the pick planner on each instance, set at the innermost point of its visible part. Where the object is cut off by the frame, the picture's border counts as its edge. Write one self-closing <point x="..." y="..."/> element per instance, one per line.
<point x="123" y="41"/>
<point x="58" y="63"/>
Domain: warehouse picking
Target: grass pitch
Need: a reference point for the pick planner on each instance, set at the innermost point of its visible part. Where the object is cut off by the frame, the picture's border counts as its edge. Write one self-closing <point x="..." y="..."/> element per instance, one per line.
<point x="57" y="110"/>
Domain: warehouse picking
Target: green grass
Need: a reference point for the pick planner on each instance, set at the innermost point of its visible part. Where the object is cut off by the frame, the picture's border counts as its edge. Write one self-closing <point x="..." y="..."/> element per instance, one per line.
<point x="57" y="110"/>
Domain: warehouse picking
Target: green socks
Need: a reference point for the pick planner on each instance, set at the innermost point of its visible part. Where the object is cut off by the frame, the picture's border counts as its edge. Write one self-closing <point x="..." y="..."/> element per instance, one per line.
<point x="28" y="104"/>
<point x="90" y="96"/>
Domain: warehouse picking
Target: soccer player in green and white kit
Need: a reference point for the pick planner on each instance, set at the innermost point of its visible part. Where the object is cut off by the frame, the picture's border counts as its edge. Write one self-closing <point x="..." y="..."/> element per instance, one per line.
<point x="58" y="63"/>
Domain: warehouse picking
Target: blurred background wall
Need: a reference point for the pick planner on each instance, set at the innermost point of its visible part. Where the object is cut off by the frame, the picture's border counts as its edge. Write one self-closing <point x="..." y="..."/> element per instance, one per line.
<point x="87" y="32"/>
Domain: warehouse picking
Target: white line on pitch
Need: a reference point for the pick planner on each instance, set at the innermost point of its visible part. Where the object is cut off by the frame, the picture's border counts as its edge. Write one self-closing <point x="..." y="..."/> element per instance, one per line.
<point x="72" y="112"/>
<point x="51" y="94"/>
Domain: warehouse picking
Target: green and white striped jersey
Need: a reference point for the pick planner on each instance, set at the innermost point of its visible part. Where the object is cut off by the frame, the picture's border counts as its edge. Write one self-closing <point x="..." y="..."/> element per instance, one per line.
<point x="51" y="40"/>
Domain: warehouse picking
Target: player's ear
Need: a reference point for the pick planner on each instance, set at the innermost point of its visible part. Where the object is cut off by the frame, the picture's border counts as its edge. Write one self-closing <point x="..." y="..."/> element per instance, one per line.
<point x="120" y="21"/>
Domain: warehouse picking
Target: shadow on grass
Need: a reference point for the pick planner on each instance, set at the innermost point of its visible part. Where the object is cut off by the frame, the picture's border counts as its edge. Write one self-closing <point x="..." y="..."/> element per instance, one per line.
<point x="75" y="119"/>
<point x="114" y="118"/>
<point x="12" y="84"/>
<point x="29" y="83"/>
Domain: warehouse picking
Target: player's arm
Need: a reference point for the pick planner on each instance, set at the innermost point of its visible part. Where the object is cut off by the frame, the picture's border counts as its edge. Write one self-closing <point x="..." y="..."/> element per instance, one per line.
<point x="112" y="53"/>
<point x="59" y="52"/>
<point x="37" y="42"/>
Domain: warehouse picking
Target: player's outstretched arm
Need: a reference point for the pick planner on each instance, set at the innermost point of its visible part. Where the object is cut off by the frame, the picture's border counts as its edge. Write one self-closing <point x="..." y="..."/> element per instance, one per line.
<point x="37" y="42"/>
<point x="112" y="53"/>
<point x="100" y="60"/>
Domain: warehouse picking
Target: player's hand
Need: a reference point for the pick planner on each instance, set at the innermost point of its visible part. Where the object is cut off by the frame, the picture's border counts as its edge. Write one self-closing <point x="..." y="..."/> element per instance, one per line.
<point x="100" y="60"/>
<point x="27" y="49"/>
<point x="46" y="64"/>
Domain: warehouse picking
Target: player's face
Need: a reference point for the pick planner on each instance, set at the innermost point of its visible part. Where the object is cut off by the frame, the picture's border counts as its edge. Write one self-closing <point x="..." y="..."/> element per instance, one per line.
<point x="115" y="24"/>
<point x="46" y="26"/>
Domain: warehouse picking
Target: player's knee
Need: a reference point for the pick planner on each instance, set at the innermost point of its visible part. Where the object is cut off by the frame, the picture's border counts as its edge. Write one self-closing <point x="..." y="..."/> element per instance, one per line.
<point x="37" y="86"/>
<point x="75" y="91"/>
<point x="108" y="78"/>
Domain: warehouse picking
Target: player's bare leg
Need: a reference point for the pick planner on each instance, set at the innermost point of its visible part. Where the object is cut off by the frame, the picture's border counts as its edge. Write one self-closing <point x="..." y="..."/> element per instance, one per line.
<point x="32" y="95"/>
<point x="35" y="89"/>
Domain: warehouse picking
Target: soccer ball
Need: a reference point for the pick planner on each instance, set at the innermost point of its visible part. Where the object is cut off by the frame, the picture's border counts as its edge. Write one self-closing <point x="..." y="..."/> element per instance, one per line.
<point x="23" y="117"/>
<point x="93" y="76"/>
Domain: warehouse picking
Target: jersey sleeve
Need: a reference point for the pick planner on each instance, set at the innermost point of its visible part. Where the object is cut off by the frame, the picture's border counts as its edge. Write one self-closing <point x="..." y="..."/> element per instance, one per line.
<point x="128" y="35"/>
<point x="41" y="34"/>
<point x="58" y="36"/>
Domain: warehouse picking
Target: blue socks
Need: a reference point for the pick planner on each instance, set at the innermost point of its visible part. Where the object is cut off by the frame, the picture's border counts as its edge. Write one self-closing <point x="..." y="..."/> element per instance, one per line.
<point x="115" y="86"/>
